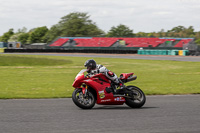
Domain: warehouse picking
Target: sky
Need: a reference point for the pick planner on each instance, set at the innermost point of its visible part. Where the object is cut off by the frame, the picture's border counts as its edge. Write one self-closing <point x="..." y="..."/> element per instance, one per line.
<point x="138" y="15"/>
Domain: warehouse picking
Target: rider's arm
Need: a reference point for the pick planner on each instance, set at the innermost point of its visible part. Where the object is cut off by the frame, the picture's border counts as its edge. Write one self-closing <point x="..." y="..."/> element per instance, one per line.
<point x="109" y="74"/>
<point x="102" y="69"/>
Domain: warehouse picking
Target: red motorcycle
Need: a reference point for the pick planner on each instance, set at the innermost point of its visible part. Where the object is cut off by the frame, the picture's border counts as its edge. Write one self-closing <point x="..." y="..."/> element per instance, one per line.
<point x="99" y="89"/>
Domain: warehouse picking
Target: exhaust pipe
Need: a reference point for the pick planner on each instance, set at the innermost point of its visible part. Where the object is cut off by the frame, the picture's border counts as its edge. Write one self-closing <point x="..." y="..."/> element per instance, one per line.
<point x="131" y="78"/>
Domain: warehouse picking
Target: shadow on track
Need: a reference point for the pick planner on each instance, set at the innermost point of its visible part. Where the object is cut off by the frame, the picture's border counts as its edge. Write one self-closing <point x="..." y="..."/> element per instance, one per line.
<point x="120" y="108"/>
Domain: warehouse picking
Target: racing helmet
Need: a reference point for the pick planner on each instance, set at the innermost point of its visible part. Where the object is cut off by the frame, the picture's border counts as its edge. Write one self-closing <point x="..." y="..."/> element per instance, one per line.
<point x="90" y="64"/>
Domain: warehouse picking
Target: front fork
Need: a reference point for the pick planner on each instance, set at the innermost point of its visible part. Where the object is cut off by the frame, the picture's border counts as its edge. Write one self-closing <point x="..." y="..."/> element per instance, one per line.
<point x="85" y="90"/>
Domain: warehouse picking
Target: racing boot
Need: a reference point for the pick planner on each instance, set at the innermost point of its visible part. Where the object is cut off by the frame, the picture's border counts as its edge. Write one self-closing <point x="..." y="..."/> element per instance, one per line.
<point x="121" y="87"/>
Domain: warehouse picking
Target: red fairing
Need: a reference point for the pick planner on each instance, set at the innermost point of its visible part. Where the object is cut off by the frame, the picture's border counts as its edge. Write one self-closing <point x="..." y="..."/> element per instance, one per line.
<point x="125" y="75"/>
<point x="77" y="81"/>
<point x="102" y="96"/>
<point x="99" y="83"/>
<point x="100" y="76"/>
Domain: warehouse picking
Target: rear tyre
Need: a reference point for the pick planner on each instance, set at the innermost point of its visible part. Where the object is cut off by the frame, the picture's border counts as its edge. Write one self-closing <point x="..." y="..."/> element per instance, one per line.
<point x="138" y="98"/>
<point x="84" y="102"/>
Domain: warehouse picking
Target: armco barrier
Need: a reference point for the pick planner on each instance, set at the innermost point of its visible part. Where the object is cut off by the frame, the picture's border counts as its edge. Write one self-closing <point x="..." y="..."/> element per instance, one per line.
<point x="174" y="52"/>
<point x="183" y="52"/>
<point x="163" y="52"/>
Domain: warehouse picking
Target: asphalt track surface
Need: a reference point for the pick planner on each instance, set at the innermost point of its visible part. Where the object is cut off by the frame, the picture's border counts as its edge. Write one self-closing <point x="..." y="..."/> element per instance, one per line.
<point x="160" y="114"/>
<point x="125" y="56"/>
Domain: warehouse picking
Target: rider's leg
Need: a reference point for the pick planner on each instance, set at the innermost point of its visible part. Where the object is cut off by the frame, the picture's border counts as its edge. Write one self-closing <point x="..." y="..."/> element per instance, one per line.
<point x="113" y="77"/>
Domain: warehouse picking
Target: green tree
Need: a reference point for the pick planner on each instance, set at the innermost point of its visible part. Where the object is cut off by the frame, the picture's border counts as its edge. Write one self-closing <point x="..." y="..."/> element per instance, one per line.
<point x="7" y="35"/>
<point x="181" y="31"/>
<point x="150" y="35"/>
<point x="189" y="31"/>
<point x="37" y="35"/>
<point x="23" y="30"/>
<point x="197" y="41"/>
<point x="141" y="34"/>
<point x="120" y="31"/>
<point x="54" y="32"/>
<point x="197" y="35"/>
<point x="78" y="24"/>
<point x="23" y="37"/>
<point x="177" y="29"/>
<point x="15" y="36"/>
<point x="161" y="33"/>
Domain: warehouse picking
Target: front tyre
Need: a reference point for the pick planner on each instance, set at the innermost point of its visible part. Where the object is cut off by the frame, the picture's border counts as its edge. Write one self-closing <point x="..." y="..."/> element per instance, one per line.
<point x="83" y="101"/>
<point x="137" y="99"/>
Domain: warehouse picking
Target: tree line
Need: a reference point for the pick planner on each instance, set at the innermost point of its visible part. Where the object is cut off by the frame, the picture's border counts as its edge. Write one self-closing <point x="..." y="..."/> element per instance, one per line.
<point x="79" y="24"/>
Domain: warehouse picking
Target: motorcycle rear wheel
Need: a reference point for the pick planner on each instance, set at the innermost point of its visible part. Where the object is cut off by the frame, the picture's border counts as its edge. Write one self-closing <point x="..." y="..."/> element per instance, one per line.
<point x="138" y="99"/>
<point x="83" y="102"/>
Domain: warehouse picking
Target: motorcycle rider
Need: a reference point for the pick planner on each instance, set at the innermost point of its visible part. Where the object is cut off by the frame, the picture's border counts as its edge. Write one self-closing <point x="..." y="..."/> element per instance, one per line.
<point x="93" y="68"/>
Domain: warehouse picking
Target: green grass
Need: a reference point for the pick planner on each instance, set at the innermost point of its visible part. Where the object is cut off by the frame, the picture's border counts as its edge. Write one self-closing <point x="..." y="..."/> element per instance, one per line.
<point x="30" y="61"/>
<point x="31" y="76"/>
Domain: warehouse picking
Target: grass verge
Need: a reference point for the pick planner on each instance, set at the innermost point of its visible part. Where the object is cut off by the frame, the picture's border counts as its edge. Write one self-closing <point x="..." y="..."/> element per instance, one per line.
<point x="33" y="76"/>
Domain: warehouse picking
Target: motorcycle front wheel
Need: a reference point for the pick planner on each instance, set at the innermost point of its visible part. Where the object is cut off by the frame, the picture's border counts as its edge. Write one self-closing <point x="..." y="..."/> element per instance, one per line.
<point x="137" y="99"/>
<point x="83" y="101"/>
